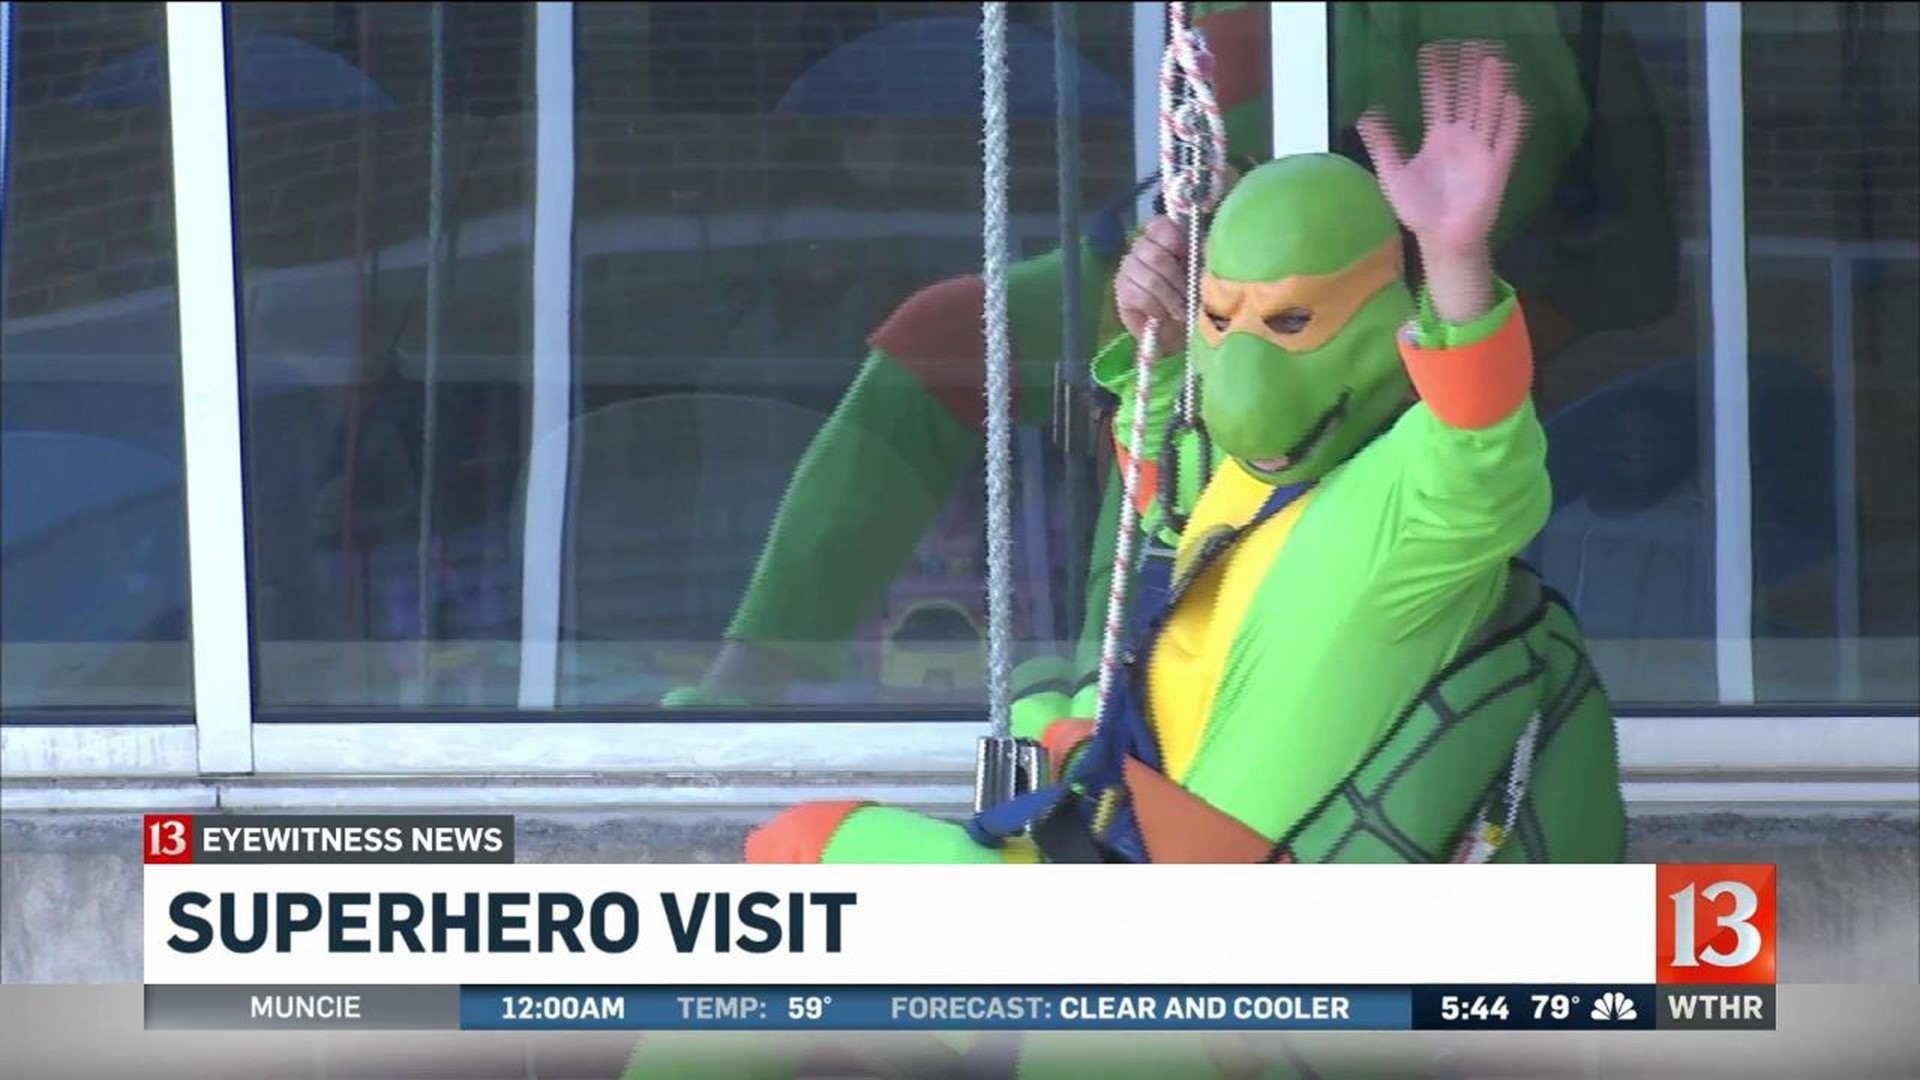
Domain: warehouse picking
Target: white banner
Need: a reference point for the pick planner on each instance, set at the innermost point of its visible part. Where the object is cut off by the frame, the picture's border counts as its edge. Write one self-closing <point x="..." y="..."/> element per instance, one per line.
<point x="939" y="925"/>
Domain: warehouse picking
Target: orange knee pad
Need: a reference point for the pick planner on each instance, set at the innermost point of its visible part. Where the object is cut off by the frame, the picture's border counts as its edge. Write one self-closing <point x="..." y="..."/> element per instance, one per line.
<point x="800" y="834"/>
<point x="1061" y="739"/>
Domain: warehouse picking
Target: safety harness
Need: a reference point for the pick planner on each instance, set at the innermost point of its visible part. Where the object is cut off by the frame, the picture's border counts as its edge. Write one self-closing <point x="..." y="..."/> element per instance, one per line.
<point x="1115" y="802"/>
<point x="1065" y="817"/>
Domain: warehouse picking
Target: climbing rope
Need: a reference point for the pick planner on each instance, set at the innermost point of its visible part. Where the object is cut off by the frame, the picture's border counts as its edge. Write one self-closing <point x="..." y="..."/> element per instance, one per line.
<point x="1112" y="633"/>
<point x="999" y="362"/>
<point x="1005" y="767"/>
<point x="1193" y="153"/>
<point x="1193" y="173"/>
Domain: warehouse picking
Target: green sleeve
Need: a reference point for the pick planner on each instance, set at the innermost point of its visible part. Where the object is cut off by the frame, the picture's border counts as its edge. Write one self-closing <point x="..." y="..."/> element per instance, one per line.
<point x="1040" y="694"/>
<point x="1116" y="369"/>
<point x="1461" y="501"/>
<point x="868" y="488"/>
<point x="1093" y="622"/>
<point x="1436" y="333"/>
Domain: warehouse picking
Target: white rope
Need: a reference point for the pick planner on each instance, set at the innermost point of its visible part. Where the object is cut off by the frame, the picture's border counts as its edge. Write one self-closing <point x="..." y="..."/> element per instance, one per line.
<point x="1189" y="389"/>
<point x="1193" y="158"/>
<point x="999" y="359"/>
<point x="1192" y="180"/>
<point x="1112" y="633"/>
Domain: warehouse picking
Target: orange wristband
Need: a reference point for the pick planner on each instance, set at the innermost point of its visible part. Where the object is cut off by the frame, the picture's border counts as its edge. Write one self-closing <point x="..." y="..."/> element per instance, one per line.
<point x="1475" y="386"/>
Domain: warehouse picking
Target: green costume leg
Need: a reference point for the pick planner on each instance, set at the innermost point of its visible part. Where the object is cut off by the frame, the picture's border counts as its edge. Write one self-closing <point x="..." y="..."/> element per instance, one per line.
<point x="891" y="456"/>
<point x="867" y="490"/>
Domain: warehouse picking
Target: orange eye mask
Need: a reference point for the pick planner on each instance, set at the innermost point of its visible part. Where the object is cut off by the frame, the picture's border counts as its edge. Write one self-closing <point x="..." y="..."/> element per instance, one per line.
<point x="1298" y="313"/>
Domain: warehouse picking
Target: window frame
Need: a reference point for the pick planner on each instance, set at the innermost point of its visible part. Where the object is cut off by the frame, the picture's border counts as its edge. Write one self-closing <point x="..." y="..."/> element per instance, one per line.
<point x="233" y="755"/>
<point x="220" y="631"/>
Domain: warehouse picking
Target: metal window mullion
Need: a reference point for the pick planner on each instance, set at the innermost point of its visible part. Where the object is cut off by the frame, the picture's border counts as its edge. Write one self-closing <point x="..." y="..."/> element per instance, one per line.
<point x="549" y="444"/>
<point x="210" y="387"/>
<point x="1846" y="521"/>
<point x="1149" y="45"/>
<point x="1732" y="462"/>
<point x="1299" y="78"/>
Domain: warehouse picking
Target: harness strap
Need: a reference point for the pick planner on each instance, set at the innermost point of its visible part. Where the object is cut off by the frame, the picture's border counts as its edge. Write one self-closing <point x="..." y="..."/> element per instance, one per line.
<point x="1102" y="766"/>
<point x="1063" y="836"/>
<point x="1178" y="826"/>
<point x="992" y="826"/>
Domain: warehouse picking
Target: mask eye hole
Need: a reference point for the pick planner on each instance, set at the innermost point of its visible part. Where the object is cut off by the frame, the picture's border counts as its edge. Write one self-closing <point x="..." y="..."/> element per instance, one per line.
<point x="1220" y="322"/>
<point x="1290" y="321"/>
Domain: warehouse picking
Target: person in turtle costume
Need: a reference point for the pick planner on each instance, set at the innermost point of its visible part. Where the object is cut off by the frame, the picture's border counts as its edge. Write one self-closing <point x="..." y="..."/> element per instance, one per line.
<point x="1350" y="664"/>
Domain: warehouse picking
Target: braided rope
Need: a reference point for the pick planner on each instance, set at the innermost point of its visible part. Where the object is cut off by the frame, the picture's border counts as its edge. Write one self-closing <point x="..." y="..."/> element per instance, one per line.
<point x="999" y="358"/>
<point x="1193" y="173"/>
<point x="1193" y="151"/>
<point x="1112" y="633"/>
<point x="1193" y="155"/>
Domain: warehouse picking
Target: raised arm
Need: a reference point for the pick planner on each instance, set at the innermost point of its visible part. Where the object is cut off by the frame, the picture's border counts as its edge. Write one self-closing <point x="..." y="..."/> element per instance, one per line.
<point x="1470" y="466"/>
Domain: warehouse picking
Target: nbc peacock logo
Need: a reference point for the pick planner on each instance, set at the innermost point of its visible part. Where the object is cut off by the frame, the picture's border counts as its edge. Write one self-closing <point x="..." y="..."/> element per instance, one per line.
<point x="1614" y="1005"/>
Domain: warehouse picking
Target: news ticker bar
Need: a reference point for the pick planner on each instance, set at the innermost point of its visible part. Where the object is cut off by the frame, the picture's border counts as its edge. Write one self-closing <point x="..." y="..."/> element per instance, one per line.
<point x="1435" y="1007"/>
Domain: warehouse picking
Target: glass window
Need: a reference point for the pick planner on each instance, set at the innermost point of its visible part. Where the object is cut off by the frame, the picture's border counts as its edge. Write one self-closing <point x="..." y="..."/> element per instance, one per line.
<point x="1605" y="236"/>
<point x="383" y="182"/>
<point x="93" y="601"/>
<point x="1833" y="245"/>
<point x="582" y="339"/>
<point x="1591" y="237"/>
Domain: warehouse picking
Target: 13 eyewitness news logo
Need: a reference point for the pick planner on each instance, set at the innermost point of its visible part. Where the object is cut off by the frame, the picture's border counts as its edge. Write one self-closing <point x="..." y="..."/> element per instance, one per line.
<point x="185" y="838"/>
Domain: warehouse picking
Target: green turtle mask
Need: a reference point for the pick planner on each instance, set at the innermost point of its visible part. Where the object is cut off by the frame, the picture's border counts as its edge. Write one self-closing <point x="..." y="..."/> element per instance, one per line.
<point x="1302" y="297"/>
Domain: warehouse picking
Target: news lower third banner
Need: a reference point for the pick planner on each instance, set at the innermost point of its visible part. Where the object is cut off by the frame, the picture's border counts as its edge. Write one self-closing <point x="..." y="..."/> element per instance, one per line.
<point x="414" y="923"/>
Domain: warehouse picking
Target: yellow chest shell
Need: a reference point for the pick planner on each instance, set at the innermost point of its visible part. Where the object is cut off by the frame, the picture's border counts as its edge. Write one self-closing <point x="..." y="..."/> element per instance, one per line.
<point x="1183" y="674"/>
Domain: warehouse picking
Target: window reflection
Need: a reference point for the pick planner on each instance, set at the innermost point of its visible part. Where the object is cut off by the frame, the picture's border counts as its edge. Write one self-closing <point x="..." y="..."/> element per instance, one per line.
<point x="1591" y="237"/>
<point x="93" y="609"/>
<point x="1612" y="262"/>
<point x="1833" y="167"/>
<point x="756" y="189"/>
<point x="824" y="488"/>
<point x="765" y="437"/>
<point x="383" y="190"/>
